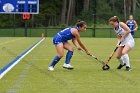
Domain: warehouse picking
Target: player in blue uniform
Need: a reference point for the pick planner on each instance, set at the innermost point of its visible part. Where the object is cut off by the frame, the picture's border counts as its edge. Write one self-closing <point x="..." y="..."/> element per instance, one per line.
<point x="132" y="24"/>
<point x="60" y="41"/>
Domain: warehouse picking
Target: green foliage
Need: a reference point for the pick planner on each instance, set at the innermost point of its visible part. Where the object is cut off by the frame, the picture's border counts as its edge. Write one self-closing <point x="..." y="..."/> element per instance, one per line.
<point x="50" y="13"/>
<point x="103" y="11"/>
<point x="137" y="15"/>
<point x="6" y="20"/>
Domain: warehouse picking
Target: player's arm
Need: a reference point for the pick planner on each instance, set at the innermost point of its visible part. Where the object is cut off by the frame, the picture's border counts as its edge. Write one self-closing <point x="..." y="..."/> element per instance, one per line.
<point x="126" y="28"/>
<point x="74" y="41"/>
<point x="136" y="25"/>
<point x="126" y="23"/>
<point x="77" y="38"/>
<point x="119" y="39"/>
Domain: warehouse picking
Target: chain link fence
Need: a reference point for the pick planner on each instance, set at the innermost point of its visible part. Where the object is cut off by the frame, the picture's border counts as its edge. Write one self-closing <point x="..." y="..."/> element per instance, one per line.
<point x="14" y="26"/>
<point x="50" y="32"/>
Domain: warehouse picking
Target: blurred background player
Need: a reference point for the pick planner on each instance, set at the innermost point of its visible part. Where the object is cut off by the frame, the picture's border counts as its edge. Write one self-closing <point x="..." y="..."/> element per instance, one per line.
<point x="132" y="24"/>
<point x="60" y="41"/>
<point x="127" y="42"/>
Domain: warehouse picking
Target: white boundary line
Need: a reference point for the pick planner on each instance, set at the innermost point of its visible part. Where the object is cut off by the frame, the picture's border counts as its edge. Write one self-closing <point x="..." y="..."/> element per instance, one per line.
<point x="8" y="67"/>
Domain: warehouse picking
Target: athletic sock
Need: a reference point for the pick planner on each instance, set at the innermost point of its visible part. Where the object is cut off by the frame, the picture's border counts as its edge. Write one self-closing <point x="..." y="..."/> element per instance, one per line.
<point x="121" y="60"/>
<point x="126" y="60"/>
<point x="55" y="61"/>
<point x="68" y="57"/>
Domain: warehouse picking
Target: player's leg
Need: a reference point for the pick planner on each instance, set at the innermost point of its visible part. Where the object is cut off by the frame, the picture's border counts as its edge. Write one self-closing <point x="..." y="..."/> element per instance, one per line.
<point x="125" y="51"/>
<point x="69" y="54"/>
<point x="132" y="33"/>
<point x="120" y="57"/>
<point x="60" y="51"/>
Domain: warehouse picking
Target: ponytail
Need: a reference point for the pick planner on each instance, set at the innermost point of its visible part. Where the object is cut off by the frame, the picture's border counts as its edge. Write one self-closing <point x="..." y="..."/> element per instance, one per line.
<point x="114" y="19"/>
<point x="80" y="23"/>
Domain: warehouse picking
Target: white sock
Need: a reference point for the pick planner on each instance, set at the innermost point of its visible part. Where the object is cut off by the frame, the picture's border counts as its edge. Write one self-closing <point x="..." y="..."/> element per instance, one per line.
<point x="126" y="60"/>
<point x="121" y="60"/>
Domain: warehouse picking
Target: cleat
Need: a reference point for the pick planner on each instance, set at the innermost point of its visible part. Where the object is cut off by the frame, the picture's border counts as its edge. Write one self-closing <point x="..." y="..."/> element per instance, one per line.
<point x="68" y="66"/>
<point x="128" y="69"/>
<point x="51" y="68"/>
<point x="120" y="66"/>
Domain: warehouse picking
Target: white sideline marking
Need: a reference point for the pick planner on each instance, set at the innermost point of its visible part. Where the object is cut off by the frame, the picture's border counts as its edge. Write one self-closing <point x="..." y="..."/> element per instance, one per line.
<point x="7" y="68"/>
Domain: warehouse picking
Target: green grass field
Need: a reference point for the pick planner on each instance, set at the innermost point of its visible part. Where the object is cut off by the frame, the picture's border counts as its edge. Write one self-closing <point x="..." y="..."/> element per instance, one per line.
<point x="31" y="74"/>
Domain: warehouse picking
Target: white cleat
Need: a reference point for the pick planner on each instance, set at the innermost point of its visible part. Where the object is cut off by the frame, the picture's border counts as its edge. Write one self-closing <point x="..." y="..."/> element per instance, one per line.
<point x="68" y="66"/>
<point x="51" y="68"/>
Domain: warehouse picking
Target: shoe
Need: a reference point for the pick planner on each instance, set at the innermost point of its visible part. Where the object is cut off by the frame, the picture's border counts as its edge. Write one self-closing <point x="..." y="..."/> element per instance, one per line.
<point x="68" y="66"/>
<point x="51" y="68"/>
<point x="128" y="68"/>
<point x="120" y="66"/>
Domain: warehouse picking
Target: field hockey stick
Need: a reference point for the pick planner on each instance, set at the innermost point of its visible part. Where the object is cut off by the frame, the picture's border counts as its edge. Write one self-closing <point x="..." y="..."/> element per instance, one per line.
<point x="105" y="66"/>
<point x="111" y="55"/>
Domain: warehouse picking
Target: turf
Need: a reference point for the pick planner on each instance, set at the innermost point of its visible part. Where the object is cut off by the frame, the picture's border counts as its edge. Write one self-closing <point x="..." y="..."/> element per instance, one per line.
<point x="31" y="74"/>
<point x="15" y="45"/>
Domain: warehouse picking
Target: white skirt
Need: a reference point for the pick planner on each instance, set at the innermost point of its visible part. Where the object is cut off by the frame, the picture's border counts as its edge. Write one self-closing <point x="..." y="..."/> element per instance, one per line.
<point x="131" y="43"/>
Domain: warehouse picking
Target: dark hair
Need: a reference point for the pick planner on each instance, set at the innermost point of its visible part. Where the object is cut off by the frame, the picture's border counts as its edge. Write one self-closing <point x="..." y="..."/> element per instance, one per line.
<point x="80" y="23"/>
<point x="130" y="15"/>
<point x="114" y="19"/>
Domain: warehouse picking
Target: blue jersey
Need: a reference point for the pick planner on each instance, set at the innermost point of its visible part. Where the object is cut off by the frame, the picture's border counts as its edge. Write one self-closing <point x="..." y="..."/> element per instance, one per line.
<point x="64" y="35"/>
<point x="131" y="25"/>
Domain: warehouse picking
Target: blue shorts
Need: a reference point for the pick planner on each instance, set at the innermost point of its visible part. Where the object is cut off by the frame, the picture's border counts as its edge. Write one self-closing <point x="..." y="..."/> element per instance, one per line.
<point x="58" y="39"/>
<point x="132" y="33"/>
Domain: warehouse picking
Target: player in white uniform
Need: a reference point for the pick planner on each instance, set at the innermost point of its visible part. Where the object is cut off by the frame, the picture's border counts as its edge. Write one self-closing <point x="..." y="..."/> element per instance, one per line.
<point x="127" y="42"/>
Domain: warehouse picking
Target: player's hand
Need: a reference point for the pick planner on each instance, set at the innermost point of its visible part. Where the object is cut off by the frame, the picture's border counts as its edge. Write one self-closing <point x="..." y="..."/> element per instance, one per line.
<point x="117" y="45"/>
<point x="88" y="53"/>
<point x="122" y="39"/>
<point x="135" y="29"/>
<point x="79" y="48"/>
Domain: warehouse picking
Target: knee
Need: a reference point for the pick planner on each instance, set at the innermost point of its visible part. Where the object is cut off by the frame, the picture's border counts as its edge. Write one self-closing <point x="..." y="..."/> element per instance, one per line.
<point x="123" y="53"/>
<point x="60" y="55"/>
<point x="71" y="49"/>
<point x="118" y="57"/>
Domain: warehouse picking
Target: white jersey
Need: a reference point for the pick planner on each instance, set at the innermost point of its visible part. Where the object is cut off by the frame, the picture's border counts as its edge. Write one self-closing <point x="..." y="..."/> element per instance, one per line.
<point x="120" y="32"/>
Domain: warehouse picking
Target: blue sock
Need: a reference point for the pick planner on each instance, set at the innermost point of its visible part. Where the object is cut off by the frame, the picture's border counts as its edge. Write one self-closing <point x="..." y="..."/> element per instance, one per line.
<point x="55" y="61"/>
<point x="68" y="57"/>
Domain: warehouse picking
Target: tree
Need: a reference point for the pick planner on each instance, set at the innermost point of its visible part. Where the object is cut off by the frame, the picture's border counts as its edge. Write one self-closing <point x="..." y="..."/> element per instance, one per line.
<point x="56" y="12"/>
<point x="103" y="10"/>
<point x="124" y="10"/>
<point x="134" y="6"/>
<point x="86" y="5"/>
<point x="63" y="12"/>
<point x="71" y="11"/>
